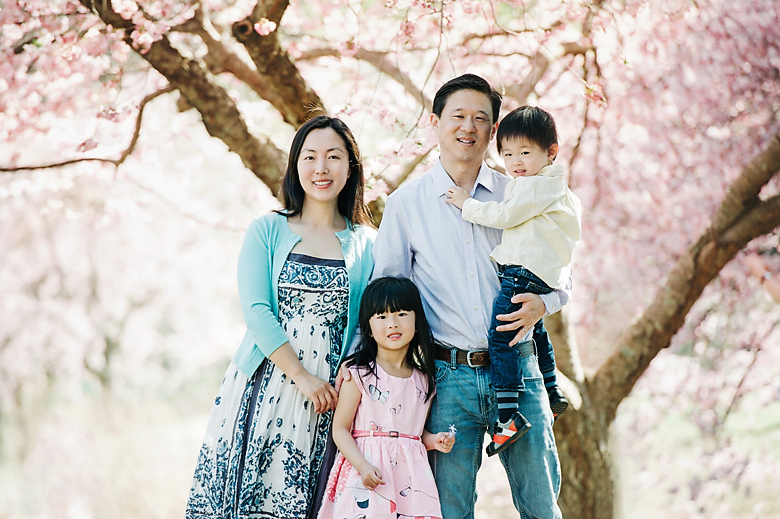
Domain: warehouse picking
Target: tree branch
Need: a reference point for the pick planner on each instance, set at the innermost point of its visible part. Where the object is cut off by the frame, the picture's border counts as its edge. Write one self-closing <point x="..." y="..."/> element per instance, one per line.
<point x="740" y="218"/>
<point x="218" y="111"/>
<point x="219" y="59"/>
<point x="115" y="162"/>
<point x="408" y="168"/>
<point x="381" y="62"/>
<point x="272" y="10"/>
<point x="273" y="63"/>
<point x="522" y="90"/>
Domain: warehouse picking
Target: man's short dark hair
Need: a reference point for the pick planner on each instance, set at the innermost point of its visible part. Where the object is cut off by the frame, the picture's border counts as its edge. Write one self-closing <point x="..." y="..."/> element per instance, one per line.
<point x="530" y="123"/>
<point x="467" y="82"/>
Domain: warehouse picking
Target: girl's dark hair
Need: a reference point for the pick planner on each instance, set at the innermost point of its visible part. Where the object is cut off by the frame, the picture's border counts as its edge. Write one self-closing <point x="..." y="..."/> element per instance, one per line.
<point x="391" y="294"/>
<point x="350" y="201"/>
<point x="530" y="123"/>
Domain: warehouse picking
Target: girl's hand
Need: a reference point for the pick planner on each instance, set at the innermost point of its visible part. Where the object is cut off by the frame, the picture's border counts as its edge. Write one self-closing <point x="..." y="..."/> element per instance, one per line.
<point x="371" y="477"/>
<point x="443" y="442"/>
<point x="457" y="196"/>
<point x="322" y="395"/>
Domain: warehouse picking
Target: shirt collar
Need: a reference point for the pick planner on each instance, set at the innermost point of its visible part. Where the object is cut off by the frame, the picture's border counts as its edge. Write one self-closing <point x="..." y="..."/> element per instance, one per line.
<point x="443" y="182"/>
<point x="553" y="170"/>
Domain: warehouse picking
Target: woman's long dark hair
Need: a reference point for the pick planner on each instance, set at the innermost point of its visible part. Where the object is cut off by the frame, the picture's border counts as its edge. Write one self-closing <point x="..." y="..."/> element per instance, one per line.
<point x="391" y="294"/>
<point x="350" y="201"/>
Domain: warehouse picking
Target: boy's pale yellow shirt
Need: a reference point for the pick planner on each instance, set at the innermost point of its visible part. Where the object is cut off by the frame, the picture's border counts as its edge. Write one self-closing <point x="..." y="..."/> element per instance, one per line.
<point x="541" y="219"/>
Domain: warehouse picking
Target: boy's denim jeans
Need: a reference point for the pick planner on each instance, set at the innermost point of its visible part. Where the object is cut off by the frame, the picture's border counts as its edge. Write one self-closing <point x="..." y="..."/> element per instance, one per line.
<point x="505" y="369"/>
<point x="465" y="398"/>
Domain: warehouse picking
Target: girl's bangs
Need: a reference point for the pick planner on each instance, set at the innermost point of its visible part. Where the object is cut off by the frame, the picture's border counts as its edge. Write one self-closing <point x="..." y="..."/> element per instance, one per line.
<point x="395" y="297"/>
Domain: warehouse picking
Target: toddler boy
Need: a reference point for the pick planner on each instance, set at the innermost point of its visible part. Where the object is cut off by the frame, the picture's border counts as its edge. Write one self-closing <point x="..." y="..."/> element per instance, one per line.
<point x="541" y="221"/>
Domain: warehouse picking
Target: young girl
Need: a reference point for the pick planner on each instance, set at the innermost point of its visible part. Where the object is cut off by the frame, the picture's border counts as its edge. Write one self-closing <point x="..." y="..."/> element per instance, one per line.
<point x="382" y="468"/>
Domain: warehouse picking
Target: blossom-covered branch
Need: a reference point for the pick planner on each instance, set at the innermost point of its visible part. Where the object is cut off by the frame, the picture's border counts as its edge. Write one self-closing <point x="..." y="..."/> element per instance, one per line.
<point x="740" y="218"/>
<point x="116" y="162"/>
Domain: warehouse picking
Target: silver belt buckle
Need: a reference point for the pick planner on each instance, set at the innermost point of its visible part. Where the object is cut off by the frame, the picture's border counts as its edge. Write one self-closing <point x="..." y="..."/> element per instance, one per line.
<point x="468" y="359"/>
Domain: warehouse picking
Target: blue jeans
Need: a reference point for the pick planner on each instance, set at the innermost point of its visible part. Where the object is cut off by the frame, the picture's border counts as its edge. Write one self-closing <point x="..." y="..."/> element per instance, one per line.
<point x="505" y="371"/>
<point x="465" y="398"/>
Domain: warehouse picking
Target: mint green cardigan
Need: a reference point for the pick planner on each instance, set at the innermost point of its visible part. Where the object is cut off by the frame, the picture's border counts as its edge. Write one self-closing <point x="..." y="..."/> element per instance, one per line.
<point x="267" y="244"/>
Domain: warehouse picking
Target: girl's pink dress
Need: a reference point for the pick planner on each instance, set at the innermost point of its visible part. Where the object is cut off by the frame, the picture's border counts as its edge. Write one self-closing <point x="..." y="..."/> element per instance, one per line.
<point x="387" y="404"/>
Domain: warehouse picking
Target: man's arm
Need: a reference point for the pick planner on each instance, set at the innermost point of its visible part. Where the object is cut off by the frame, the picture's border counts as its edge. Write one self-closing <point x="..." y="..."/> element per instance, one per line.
<point x="392" y="257"/>
<point x="392" y="250"/>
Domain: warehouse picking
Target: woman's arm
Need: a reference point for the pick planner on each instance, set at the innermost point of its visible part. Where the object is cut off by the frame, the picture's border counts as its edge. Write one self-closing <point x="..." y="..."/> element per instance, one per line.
<point x="254" y="287"/>
<point x="343" y="418"/>
<point x="257" y="297"/>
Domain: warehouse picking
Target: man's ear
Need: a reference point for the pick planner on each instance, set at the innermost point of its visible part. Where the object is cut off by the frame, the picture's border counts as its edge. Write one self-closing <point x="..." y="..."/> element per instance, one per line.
<point x="434" y="121"/>
<point x="552" y="152"/>
<point x="494" y="130"/>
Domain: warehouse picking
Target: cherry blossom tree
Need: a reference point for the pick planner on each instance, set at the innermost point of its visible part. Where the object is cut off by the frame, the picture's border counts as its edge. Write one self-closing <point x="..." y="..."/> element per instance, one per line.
<point x="667" y="112"/>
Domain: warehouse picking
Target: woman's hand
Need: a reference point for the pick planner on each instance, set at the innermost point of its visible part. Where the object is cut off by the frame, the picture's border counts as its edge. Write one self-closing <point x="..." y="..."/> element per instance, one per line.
<point x="322" y="395"/>
<point x="371" y="477"/>
<point x="524" y="318"/>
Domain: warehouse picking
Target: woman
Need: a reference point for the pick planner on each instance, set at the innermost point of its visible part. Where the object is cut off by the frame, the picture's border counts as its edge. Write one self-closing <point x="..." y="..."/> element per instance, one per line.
<point x="301" y="274"/>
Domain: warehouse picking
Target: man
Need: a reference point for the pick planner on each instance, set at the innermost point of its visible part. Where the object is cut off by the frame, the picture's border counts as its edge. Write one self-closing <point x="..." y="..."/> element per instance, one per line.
<point x="424" y="238"/>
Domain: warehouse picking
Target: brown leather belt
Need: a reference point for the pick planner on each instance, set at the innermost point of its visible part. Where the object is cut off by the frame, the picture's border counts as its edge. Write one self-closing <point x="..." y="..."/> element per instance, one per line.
<point x="479" y="358"/>
<point x="473" y="359"/>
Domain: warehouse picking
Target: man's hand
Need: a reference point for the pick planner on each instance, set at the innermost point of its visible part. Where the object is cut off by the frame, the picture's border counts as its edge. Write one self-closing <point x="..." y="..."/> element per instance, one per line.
<point x="524" y="318"/>
<point x="457" y="196"/>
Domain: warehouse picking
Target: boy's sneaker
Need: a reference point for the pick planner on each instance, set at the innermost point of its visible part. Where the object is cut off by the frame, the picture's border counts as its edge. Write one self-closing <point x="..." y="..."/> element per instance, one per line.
<point x="508" y="432"/>
<point x="558" y="402"/>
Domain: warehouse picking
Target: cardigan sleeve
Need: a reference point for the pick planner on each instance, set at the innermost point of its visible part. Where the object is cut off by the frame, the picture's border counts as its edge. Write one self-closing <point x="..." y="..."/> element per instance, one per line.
<point x="255" y="289"/>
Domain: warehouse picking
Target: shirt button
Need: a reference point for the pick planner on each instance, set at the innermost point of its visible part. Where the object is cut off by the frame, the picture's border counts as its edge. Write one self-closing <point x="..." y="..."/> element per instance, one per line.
<point x="482" y="341"/>
<point x="468" y="240"/>
<point x="472" y="274"/>
<point x="476" y="307"/>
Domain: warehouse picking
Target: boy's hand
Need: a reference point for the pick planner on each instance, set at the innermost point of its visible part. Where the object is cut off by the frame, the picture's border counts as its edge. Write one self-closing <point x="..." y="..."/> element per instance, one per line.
<point x="444" y="442"/>
<point x="457" y="196"/>
<point x="372" y="478"/>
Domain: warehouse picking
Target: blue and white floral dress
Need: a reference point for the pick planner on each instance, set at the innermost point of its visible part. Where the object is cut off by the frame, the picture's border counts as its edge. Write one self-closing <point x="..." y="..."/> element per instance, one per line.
<point x="265" y="446"/>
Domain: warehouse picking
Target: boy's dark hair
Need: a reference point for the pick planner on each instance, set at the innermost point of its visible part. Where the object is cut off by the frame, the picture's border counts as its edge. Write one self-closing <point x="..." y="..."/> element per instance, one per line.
<point x="391" y="294"/>
<point x="530" y="123"/>
<point x="467" y="82"/>
<point x="350" y="200"/>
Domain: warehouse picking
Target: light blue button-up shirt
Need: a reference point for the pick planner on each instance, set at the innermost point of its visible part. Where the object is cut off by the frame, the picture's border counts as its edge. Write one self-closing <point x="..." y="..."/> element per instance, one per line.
<point x="425" y="239"/>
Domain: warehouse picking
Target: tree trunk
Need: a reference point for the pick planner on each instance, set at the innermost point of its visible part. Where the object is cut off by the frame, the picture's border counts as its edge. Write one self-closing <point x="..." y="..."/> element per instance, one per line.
<point x="582" y="437"/>
<point x="582" y="433"/>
